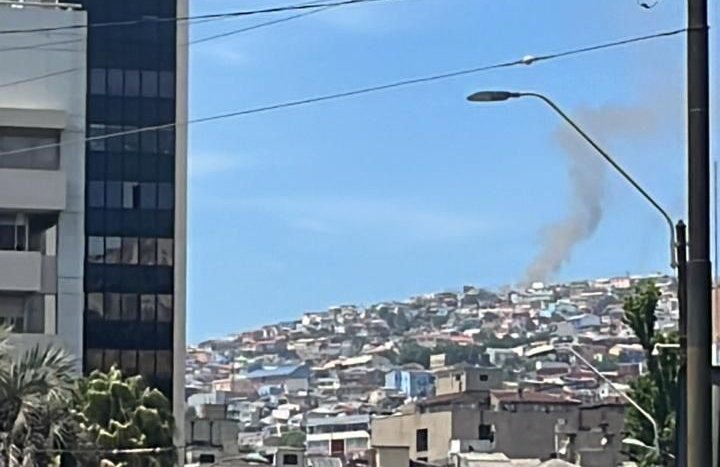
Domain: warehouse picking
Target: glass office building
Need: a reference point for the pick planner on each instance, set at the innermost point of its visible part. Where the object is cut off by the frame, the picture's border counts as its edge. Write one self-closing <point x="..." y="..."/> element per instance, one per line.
<point x="134" y="278"/>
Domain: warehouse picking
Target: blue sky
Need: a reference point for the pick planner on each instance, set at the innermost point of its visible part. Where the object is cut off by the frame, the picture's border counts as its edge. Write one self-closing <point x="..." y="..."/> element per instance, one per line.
<point x="414" y="190"/>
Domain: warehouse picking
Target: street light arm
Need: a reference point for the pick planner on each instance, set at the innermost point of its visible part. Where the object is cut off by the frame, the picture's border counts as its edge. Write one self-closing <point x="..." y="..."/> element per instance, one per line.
<point x="628" y="399"/>
<point x="615" y="165"/>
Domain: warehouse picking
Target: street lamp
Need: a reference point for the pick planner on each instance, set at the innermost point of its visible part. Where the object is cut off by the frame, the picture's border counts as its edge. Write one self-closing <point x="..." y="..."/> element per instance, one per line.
<point x="639" y="444"/>
<point x="628" y="399"/>
<point x="499" y="96"/>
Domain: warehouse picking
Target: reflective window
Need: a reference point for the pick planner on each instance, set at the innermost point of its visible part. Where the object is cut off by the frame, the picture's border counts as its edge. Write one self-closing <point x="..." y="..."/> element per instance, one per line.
<point x="166" y="143"/>
<point x="93" y="359"/>
<point x="111" y="357"/>
<point x="130" y="250"/>
<point x="149" y="141"/>
<point x="131" y="195"/>
<point x="149" y="83"/>
<point x="114" y="143"/>
<point x="95" y="305"/>
<point x="167" y="84"/>
<point x="147" y="251"/>
<point x="147" y="308"/>
<point x="128" y="361"/>
<point x="113" y="248"/>
<point x="96" y="194"/>
<point x="146" y="363"/>
<point x="166" y="193"/>
<point x="96" y="249"/>
<point x="96" y="129"/>
<point x="113" y="194"/>
<point x="131" y="141"/>
<point x="148" y="196"/>
<point x="97" y="81"/>
<point x="132" y="83"/>
<point x="129" y="307"/>
<point x="165" y="251"/>
<point x="164" y="308"/>
<point x="164" y="364"/>
<point x="112" y="306"/>
<point x="115" y="82"/>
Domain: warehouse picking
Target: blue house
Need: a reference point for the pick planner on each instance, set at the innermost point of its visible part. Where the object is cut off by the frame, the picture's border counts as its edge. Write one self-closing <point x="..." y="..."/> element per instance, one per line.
<point x="412" y="383"/>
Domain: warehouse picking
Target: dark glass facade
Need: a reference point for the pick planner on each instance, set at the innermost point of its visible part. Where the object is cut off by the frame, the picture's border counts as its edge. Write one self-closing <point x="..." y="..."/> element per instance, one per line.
<point x="130" y="186"/>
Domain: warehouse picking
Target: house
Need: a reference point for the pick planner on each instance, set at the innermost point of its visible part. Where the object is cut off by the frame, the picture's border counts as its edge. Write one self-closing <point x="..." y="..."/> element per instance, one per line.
<point x="469" y="414"/>
<point x="291" y="377"/>
<point x="343" y="435"/>
<point x="584" y="321"/>
<point x="413" y="383"/>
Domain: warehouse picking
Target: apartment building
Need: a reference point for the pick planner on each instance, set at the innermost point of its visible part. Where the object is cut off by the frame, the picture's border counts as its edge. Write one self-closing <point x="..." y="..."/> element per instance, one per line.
<point x="42" y="126"/>
<point x="481" y="418"/>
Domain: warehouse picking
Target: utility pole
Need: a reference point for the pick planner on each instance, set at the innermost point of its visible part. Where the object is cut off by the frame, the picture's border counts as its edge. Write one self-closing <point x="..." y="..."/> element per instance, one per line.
<point x="681" y="417"/>
<point x="699" y="319"/>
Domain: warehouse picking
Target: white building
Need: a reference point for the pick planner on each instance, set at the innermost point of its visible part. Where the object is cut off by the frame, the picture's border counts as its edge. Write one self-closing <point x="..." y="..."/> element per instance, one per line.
<point x="42" y="102"/>
<point x="342" y="435"/>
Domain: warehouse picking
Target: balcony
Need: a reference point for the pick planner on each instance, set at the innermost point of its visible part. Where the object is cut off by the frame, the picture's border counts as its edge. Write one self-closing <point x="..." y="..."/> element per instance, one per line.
<point x="32" y="190"/>
<point x="27" y="272"/>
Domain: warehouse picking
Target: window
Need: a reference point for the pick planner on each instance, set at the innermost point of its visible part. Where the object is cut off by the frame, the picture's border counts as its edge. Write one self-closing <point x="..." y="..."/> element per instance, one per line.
<point x="96" y="194"/>
<point x="113" y="196"/>
<point x="111" y="357"/>
<point x="483" y="377"/>
<point x="164" y="363"/>
<point x="147" y="308"/>
<point x="96" y="249"/>
<point x="131" y="195"/>
<point x="146" y="363"/>
<point x="131" y="142"/>
<point x="290" y="459"/>
<point x="167" y="84"/>
<point x="129" y="307"/>
<point x="165" y="195"/>
<point x="166" y="141"/>
<point x="115" y="82"/>
<point x="113" y="248"/>
<point x="114" y="143"/>
<point x="95" y="305"/>
<point x="93" y="359"/>
<point x="132" y="83"/>
<point x="421" y="440"/>
<point x="128" y="361"/>
<point x="147" y="251"/>
<point x="97" y="81"/>
<point x="164" y="308"/>
<point x="149" y="83"/>
<point x="112" y="306"/>
<point x="148" y="196"/>
<point x="149" y="141"/>
<point x="97" y="130"/>
<point x="165" y="251"/>
<point x="486" y="433"/>
<point x="129" y="250"/>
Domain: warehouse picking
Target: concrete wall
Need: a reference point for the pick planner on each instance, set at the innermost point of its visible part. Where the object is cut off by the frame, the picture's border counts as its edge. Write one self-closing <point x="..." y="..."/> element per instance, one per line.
<point x="537" y="431"/>
<point x="400" y="430"/>
<point x="391" y="456"/>
<point x="49" y="83"/>
<point x="32" y="190"/>
<point x="468" y="379"/>
<point x="180" y="260"/>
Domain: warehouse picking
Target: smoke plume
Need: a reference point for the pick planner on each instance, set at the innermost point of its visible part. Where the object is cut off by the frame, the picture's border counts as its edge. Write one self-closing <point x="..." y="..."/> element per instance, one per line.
<point x="587" y="173"/>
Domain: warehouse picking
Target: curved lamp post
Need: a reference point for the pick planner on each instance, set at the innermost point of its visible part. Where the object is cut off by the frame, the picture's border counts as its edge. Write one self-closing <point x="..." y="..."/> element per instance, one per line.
<point x="498" y="96"/>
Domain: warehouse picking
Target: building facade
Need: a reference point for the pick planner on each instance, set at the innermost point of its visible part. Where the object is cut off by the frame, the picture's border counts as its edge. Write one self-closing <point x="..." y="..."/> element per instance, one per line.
<point x="135" y="191"/>
<point x="42" y="126"/>
<point x="412" y="383"/>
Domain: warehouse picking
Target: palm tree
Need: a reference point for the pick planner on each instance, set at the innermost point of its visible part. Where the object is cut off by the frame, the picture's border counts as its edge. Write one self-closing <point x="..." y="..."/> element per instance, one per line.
<point x="36" y="390"/>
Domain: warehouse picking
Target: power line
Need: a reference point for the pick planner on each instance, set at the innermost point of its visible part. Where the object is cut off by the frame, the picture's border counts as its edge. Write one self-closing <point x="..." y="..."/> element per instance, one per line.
<point x="261" y="25"/>
<point x="211" y="16"/>
<point x="39" y="77"/>
<point x="528" y="60"/>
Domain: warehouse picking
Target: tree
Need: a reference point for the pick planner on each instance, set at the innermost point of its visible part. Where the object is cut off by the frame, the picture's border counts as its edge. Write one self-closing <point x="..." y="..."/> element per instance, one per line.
<point x="34" y="421"/>
<point x="123" y="413"/>
<point x="411" y="352"/>
<point x="293" y="438"/>
<point x="656" y="390"/>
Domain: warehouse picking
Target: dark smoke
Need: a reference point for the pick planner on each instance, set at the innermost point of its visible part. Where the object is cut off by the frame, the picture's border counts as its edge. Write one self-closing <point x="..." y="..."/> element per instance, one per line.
<point x="587" y="171"/>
